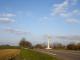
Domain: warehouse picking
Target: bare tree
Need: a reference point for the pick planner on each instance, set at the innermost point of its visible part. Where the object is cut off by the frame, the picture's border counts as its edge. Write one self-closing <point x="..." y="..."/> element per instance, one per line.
<point x="25" y="44"/>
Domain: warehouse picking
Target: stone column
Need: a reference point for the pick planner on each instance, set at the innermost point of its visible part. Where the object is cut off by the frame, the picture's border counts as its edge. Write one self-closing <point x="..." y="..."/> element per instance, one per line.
<point x="48" y="44"/>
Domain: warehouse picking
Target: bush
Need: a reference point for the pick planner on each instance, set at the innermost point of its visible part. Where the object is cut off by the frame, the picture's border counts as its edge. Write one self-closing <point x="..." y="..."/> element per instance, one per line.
<point x="40" y="46"/>
<point x="73" y="46"/>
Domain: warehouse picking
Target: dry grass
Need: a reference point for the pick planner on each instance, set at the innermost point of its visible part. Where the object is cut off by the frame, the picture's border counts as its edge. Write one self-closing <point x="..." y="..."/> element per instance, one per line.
<point x="8" y="53"/>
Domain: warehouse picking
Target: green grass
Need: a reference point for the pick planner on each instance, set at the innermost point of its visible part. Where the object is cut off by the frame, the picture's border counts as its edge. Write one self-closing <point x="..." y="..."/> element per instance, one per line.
<point x="27" y="54"/>
<point x="9" y="47"/>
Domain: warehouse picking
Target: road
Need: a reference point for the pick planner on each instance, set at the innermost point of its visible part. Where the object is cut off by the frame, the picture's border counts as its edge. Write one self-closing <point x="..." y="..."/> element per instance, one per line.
<point x="64" y="54"/>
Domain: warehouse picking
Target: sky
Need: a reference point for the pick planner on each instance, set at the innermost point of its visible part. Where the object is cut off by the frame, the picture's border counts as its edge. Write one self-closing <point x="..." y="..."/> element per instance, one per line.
<point x="36" y="19"/>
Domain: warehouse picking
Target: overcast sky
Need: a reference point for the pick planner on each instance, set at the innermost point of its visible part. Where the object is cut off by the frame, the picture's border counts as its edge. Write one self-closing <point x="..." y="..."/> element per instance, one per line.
<point x="33" y="19"/>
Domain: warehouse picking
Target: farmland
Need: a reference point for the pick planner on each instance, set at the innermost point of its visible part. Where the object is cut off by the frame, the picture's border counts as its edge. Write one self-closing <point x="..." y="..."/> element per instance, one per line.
<point x="24" y="54"/>
<point x="7" y="54"/>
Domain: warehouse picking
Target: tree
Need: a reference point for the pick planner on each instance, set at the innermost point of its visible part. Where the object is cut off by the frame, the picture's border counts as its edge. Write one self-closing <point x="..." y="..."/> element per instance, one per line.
<point x="25" y="44"/>
<point x="40" y="46"/>
<point x="71" y="46"/>
<point x="58" y="46"/>
<point x="78" y="46"/>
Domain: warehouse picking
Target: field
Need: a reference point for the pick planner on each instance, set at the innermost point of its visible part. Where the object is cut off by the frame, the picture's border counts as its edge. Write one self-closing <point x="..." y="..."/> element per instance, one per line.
<point x="24" y="54"/>
<point x="7" y="54"/>
<point x="27" y="54"/>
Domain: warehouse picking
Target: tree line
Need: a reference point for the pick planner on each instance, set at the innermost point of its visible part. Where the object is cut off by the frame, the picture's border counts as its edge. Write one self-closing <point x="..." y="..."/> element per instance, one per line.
<point x="27" y="44"/>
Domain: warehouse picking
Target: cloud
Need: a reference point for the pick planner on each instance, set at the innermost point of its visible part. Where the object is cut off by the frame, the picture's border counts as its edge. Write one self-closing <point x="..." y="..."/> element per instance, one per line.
<point x="74" y="37"/>
<point x="76" y="12"/>
<point x="65" y="37"/>
<point x="73" y="13"/>
<point x="6" y="20"/>
<point x="62" y="8"/>
<point x="72" y="2"/>
<point x="7" y="15"/>
<point x="72" y="21"/>
<point x="15" y="31"/>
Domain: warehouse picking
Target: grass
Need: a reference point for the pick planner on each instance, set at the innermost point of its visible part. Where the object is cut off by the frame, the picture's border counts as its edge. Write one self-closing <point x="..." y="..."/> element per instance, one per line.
<point x="9" y="47"/>
<point x="27" y="54"/>
<point x="24" y="54"/>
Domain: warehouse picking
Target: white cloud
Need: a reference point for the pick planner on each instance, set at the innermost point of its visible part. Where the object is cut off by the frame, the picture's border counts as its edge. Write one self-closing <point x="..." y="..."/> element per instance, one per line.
<point x="65" y="14"/>
<point x="72" y="2"/>
<point x="63" y="10"/>
<point x="73" y="37"/>
<point x="15" y="31"/>
<point x="76" y="12"/>
<point x="63" y="37"/>
<point x="73" y="13"/>
<point x="72" y="21"/>
<point x="60" y="8"/>
<point x="6" y="20"/>
<point x="7" y="15"/>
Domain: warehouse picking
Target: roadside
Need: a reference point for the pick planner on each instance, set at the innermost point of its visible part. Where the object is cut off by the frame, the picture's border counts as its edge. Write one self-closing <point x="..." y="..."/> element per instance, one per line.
<point x="63" y="54"/>
<point x="28" y="54"/>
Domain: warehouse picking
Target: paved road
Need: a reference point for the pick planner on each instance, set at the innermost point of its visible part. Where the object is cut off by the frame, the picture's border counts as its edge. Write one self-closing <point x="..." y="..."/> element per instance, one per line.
<point x="64" y="54"/>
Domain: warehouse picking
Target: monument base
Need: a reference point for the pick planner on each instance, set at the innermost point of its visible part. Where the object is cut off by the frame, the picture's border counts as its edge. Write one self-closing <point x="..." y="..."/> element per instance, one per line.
<point x="48" y="48"/>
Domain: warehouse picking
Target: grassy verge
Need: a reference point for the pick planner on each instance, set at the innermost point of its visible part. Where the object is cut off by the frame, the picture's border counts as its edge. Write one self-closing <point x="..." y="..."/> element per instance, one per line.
<point x="27" y="54"/>
<point x="9" y="47"/>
